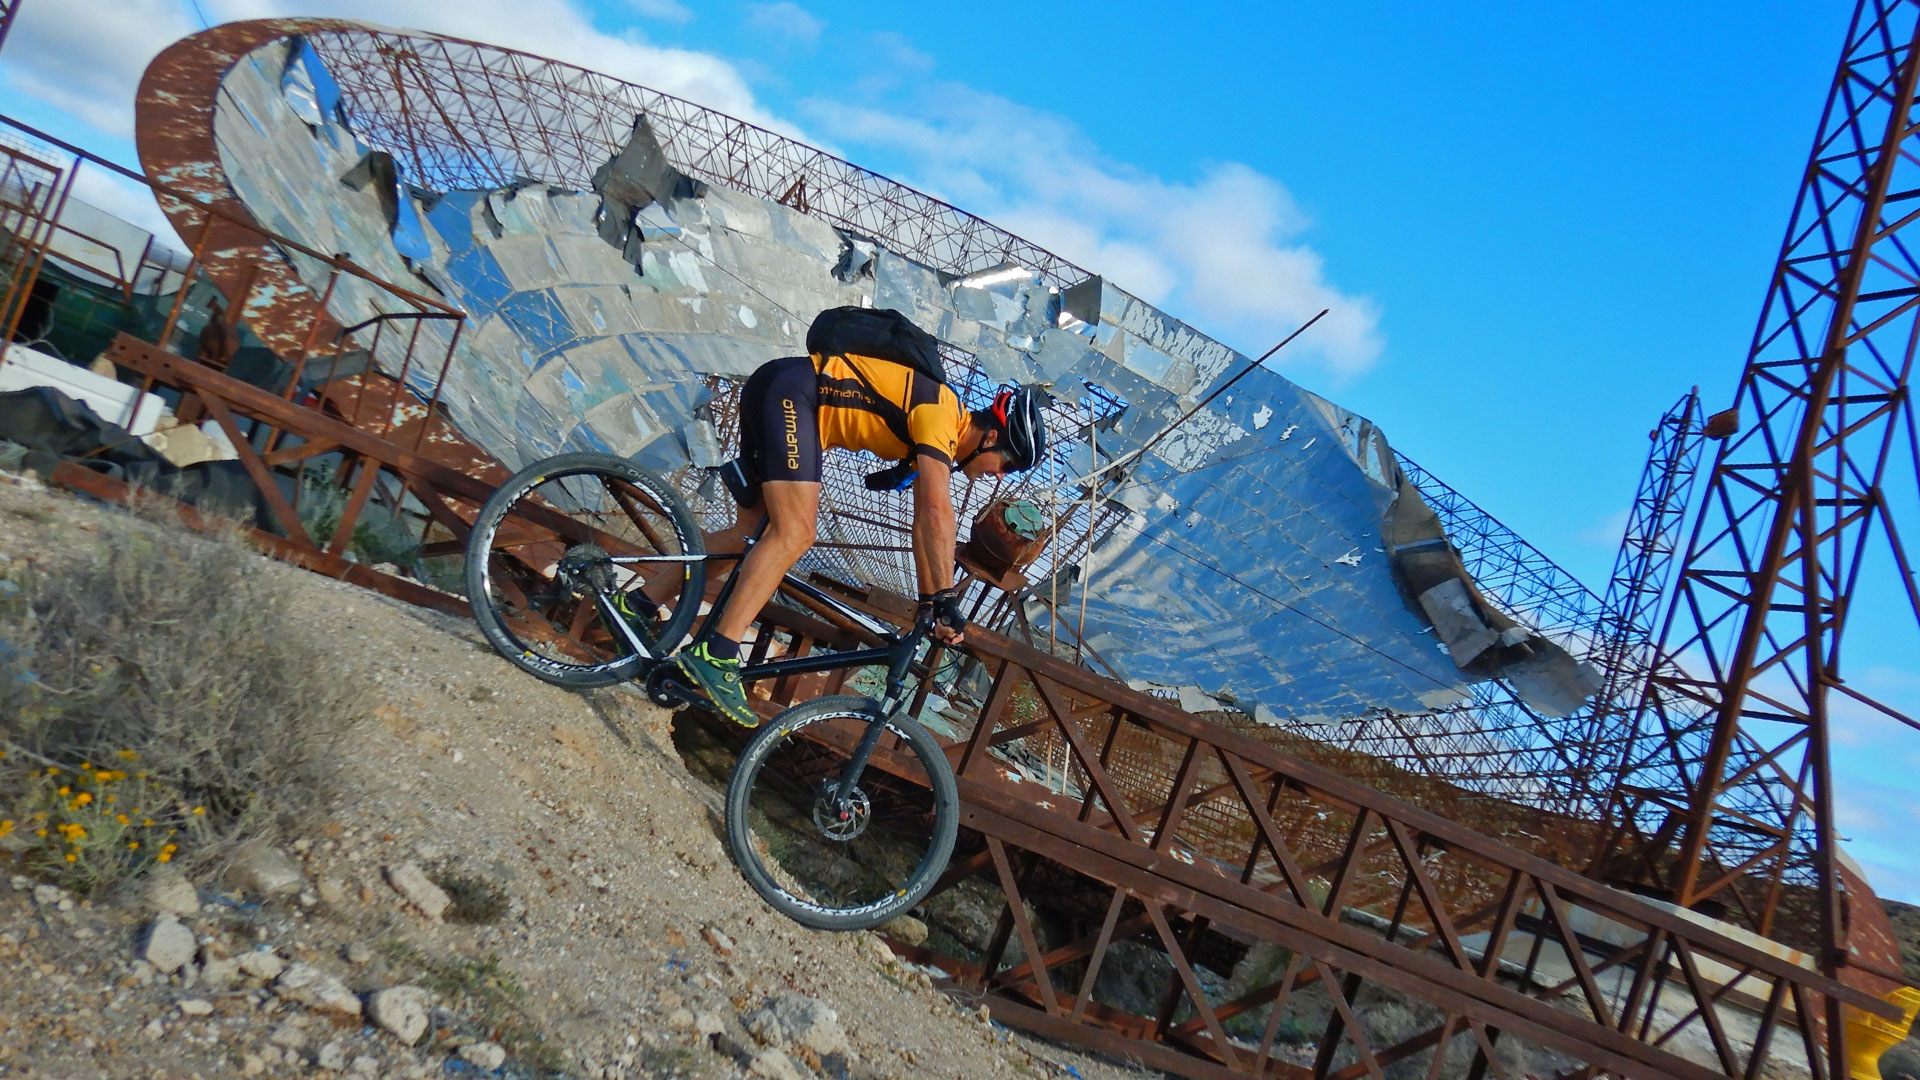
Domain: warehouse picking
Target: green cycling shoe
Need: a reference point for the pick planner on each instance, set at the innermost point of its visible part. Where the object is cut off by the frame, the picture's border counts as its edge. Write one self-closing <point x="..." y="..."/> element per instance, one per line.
<point x="720" y="681"/>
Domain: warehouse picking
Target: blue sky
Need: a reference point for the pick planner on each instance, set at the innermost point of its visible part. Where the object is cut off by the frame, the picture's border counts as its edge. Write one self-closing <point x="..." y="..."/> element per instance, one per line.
<point x="1537" y="224"/>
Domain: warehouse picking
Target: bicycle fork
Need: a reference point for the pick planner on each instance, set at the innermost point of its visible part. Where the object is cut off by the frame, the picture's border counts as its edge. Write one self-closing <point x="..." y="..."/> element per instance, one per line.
<point x="890" y="706"/>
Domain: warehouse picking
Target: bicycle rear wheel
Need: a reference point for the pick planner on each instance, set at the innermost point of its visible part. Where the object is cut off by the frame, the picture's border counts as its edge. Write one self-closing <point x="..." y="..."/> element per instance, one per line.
<point x="827" y="871"/>
<point x="541" y="555"/>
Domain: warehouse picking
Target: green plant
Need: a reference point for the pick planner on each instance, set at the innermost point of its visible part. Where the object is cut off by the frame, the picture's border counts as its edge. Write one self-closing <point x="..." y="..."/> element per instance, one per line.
<point x="155" y="677"/>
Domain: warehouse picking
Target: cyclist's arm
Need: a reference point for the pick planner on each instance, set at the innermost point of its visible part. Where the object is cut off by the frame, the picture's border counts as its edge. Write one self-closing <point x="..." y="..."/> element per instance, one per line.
<point x="933" y="525"/>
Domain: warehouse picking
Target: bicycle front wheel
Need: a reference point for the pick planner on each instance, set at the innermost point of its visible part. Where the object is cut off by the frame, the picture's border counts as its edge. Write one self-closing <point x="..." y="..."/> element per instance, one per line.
<point x="557" y="543"/>
<point x="836" y="863"/>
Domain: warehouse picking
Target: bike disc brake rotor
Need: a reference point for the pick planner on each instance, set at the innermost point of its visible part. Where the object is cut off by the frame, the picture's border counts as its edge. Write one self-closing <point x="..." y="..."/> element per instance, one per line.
<point x="841" y="819"/>
<point x="585" y="569"/>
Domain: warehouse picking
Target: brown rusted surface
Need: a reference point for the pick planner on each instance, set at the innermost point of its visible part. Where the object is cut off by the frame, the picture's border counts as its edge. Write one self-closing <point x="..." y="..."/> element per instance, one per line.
<point x="173" y="134"/>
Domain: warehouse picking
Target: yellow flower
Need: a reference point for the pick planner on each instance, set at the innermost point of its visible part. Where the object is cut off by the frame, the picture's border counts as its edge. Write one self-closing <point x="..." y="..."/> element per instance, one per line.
<point x="146" y="821"/>
<point x="123" y="819"/>
<point x="71" y="857"/>
<point x="64" y="790"/>
<point x="200" y="810"/>
<point x="165" y="856"/>
<point x="6" y="827"/>
<point x="83" y="798"/>
<point x="104" y="776"/>
<point x="86" y="765"/>
<point x="109" y="798"/>
<point x="170" y="848"/>
<point x="127" y="755"/>
<point x="39" y="832"/>
<point x="133" y="845"/>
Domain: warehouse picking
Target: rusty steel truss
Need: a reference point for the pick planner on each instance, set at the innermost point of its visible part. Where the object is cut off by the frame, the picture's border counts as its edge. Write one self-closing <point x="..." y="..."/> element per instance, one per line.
<point x="1729" y="796"/>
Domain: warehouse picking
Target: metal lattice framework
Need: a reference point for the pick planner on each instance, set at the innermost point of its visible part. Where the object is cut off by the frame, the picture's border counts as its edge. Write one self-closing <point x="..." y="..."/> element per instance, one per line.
<point x="464" y="115"/>
<point x="1800" y="529"/>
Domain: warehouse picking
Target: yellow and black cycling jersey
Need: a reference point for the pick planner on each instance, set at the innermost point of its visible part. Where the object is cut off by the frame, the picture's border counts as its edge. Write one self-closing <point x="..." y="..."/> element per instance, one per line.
<point x="851" y="419"/>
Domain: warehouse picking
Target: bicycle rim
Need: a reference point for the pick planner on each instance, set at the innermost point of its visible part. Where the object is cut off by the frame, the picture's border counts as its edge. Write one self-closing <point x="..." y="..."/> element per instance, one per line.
<point x="799" y="848"/>
<point x="543" y="548"/>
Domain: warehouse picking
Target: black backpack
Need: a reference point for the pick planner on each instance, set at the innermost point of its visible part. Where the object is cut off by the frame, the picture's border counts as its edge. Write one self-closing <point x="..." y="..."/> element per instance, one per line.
<point x="883" y="334"/>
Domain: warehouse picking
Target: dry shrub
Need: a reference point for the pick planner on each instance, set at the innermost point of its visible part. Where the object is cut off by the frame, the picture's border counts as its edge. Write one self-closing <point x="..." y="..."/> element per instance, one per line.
<point x="156" y="707"/>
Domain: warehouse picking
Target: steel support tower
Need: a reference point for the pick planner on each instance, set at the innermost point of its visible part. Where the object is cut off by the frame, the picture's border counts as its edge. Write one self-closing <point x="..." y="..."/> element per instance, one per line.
<point x="1799" y="529"/>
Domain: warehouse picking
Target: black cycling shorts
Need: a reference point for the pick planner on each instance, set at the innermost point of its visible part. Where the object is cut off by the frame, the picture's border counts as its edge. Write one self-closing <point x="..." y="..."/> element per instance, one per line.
<point x="780" y="421"/>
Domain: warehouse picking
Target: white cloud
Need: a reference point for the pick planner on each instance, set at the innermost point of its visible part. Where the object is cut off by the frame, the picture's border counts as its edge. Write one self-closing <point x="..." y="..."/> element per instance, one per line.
<point x="786" y="22"/>
<point x="1607" y="532"/>
<point x="899" y="55"/>
<point x="664" y="10"/>
<point x="1223" y="251"/>
<point x="86" y="60"/>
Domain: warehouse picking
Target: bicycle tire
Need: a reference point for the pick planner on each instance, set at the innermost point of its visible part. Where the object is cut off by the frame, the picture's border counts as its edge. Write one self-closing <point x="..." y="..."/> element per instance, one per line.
<point x="563" y="509"/>
<point x="773" y="830"/>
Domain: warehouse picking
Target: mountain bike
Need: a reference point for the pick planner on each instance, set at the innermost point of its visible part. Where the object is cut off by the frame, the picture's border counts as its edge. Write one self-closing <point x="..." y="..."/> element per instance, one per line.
<point x="587" y="570"/>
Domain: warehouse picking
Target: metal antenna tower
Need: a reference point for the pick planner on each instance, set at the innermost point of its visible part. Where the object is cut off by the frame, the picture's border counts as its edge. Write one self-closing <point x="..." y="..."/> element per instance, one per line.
<point x="1800" y="525"/>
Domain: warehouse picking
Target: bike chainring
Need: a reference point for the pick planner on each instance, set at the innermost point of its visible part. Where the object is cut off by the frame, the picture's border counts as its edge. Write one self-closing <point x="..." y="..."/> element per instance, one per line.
<point x="667" y="687"/>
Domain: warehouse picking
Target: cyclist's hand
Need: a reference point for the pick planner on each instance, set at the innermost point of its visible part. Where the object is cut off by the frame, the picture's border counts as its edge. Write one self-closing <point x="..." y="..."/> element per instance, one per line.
<point x="941" y="616"/>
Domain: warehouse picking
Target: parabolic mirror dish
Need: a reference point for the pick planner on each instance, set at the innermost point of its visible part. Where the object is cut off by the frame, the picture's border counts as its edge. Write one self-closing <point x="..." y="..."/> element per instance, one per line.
<point x="624" y="256"/>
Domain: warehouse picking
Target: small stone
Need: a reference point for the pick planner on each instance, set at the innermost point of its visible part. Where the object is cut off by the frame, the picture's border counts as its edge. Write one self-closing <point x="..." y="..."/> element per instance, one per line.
<point x="401" y="1010"/>
<point x="262" y="964"/>
<point x="332" y="1056"/>
<point x="196" y="1007"/>
<point x="413" y="883"/>
<point x="290" y="1035"/>
<point x="773" y="1065"/>
<point x="219" y="973"/>
<point x="358" y="953"/>
<point x="308" y="898"/>
<point x="670" y="1000"/>
<point x="169" y="945"/>
<point x="269" y="872"/>
<point x="809" y="1023"/>
<point x="154" y="1029"/>
<point x="680" y="1019"/>
<point x="168" y="892"/>
<point x="366" y="1064"/>
<point x="984" y="1015"/>
<point x="707" y="1024"/>
<point x="882" y="952"/>
<point x="484" y="1056"/>
<point x="252" y="1064"/>
<point x="48" y="895"/>
<point x="302" y="846"/>
<point x="308" y="985"/>
<point x="718" y="938"/>
<point x="906" y="930"/>
<point x="330" y="891"/>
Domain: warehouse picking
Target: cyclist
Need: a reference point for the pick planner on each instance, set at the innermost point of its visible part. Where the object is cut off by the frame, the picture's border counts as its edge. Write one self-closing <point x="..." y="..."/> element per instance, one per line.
<point x="794" y="408"/>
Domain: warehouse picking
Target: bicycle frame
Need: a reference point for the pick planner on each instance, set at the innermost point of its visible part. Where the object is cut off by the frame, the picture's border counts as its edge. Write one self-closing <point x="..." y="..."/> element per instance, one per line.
<point x="897" y="654"/>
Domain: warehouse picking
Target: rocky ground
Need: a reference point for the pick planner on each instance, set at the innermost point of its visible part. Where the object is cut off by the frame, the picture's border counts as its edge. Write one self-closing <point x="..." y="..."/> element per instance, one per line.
<point x="514" y="880"/>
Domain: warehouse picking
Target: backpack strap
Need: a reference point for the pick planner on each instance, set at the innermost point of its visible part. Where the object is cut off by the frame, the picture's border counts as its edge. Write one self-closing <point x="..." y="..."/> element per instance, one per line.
<point x="889" y="411"/>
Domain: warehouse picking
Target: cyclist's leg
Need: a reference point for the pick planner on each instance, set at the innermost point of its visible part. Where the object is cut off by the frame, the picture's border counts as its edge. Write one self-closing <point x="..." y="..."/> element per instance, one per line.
<point x="793" y="510"/>
<point x="780" y="427"/>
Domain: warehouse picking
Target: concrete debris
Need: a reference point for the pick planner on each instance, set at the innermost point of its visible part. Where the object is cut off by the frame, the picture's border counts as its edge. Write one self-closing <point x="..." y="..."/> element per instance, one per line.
<point x="419" y="890"/>
<point x="168" y="946"/>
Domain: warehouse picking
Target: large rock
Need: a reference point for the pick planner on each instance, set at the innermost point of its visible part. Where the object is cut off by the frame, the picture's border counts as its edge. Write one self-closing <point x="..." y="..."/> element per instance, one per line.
<point x="269" y="872"/>
<point x="798" y="1020"/>
<point x="308" y="985"/>
<point x="906" y="930"/>
<point x="168" y="892"/>
<point x="168" y="946"/>
<point x="401" y="1010"/>
<point x="413" y="883"/>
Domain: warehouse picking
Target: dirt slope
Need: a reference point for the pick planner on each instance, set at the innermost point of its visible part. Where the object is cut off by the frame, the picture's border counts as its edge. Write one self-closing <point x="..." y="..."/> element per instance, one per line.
<point x="627" y="936"/>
